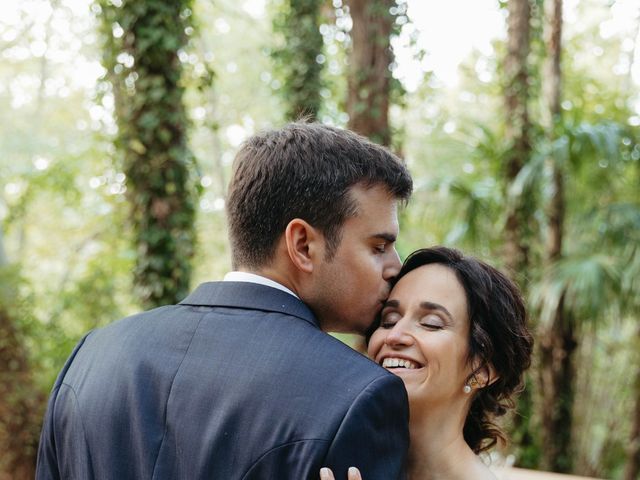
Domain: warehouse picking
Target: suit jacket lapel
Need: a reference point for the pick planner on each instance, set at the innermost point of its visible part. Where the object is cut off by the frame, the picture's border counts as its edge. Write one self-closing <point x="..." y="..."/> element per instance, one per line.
<point x="249" y="295"/>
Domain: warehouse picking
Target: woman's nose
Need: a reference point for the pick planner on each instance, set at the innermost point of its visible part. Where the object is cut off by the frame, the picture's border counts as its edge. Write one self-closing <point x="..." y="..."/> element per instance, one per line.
<point x="398" y="335"/>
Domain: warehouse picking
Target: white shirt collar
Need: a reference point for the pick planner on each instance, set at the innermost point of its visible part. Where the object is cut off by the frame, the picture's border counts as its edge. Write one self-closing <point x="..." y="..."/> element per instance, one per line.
<point x="253" y="278"/>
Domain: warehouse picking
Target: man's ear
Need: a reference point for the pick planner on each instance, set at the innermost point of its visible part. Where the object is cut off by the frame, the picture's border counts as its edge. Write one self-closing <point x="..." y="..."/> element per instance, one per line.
<point x="303" y="244"/>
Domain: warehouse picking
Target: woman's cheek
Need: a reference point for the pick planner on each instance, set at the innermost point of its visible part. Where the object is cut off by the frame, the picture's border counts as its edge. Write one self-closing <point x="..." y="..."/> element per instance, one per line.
<point x="375" y="343"/>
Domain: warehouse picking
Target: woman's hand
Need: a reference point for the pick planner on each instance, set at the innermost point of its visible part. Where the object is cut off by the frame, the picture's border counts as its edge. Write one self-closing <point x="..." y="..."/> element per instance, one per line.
<point x="327" y="474"/>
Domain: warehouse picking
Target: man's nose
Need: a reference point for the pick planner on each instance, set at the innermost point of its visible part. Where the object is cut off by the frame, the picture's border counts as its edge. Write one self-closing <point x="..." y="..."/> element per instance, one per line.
<point x="393" y="266"/>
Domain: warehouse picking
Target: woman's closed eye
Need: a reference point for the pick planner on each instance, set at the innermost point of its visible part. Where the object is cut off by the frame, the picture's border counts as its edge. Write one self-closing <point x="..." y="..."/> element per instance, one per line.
<point x="432" y="322"/>
<point x="389" y="319"/>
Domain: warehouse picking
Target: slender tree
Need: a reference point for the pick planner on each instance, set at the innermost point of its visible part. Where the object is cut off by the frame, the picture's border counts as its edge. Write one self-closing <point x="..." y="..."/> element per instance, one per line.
<point x="557" y="338"/>
<point x="142" y="48"/>
<point x="369" y="75"/>
<point x="299" y="59"/>
<point x="631" y="287"/>
<point x="518" y="126"/>
<point x="632" y="467"/>
<point x="517" y="134"/>
<point x="21" y="404"/>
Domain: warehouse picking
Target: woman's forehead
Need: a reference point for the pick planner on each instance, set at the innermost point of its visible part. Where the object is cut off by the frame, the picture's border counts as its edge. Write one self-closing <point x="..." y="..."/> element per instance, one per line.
<point x="434" y="283"/>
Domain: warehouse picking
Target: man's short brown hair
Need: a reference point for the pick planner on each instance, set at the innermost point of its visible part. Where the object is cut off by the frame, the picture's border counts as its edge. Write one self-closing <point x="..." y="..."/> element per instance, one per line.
<point x="304" y="170"/>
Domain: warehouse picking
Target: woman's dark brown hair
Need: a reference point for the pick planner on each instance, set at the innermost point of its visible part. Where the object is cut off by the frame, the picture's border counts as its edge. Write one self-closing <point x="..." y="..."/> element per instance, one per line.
<point x="498" y="338"/>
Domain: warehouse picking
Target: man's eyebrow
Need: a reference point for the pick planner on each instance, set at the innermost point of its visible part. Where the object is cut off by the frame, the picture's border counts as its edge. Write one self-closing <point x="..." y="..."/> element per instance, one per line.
<point x="436" y="306"/>
<point x="387" y="237"/>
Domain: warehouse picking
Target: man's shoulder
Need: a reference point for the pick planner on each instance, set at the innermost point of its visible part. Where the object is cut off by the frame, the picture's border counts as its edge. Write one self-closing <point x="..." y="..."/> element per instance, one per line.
<point x="336" y="364"/>
<point x="249" y="296"/>
<point x="345" y="353"/>
<point x="140" y="323"/>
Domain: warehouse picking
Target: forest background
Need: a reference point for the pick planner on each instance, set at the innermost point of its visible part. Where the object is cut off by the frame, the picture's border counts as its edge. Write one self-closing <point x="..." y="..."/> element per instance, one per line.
<point x="119" y="121"/>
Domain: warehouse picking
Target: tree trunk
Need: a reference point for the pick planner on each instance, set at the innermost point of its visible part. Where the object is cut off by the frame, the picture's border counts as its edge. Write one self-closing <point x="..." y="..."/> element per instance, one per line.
<point x="557" y="374"/>
<point x="552" y="73"/>
<point x="557" y="345"/>
<point x="558" y="341"/>
<point x="298" y="59"/>
<point x="145" y="70"/>
<point x="632" y="467"/>
<point x="21" y="405"/>
<point x="517" y="123"/>
<point x="369" y="68"/>
<point x="516" y="97"/>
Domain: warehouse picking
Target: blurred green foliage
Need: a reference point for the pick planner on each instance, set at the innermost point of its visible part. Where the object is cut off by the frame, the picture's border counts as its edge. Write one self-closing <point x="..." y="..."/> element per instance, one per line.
<point x="65" y="184"/>
<point x="299" y="56"/>
<point x="143" y="42"/>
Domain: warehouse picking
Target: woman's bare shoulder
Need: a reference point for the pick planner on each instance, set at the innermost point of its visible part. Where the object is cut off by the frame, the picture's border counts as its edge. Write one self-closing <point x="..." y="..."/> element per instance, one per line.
<point x="479" y="470"/>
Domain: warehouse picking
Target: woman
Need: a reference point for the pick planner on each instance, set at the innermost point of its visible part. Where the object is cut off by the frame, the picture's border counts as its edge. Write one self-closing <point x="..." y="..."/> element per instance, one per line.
<point x="454" y="329"/>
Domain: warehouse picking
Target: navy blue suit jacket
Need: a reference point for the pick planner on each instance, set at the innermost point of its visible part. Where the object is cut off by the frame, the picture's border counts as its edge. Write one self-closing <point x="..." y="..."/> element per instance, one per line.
<point x="235" y="382"/>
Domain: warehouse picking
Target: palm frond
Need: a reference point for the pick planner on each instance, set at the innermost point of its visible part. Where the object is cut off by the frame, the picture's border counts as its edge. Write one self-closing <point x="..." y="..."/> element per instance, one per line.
<point x="588" y="284"/>
<point x="601" y="141"/>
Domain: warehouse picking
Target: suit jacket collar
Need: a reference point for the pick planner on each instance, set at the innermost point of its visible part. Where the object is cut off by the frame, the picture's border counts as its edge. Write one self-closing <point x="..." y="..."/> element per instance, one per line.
<point x="249" y="295"/>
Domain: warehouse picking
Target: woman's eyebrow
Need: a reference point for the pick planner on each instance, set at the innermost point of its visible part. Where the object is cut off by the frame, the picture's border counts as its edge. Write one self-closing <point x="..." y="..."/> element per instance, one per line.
<point x="391" y="303"/>
<point x="436" y="306"/>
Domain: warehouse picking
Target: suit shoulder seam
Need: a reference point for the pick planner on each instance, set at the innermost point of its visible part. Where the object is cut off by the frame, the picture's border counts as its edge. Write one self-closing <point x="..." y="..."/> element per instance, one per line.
<point x="364" y="389"/>
<point x="75" y="399"/>
<point x="166" y="406"/>
<point x="277" y="447"/>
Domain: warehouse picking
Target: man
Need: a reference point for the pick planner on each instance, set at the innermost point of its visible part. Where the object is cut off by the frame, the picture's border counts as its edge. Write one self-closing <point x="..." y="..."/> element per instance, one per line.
<point x="239" y="381"/>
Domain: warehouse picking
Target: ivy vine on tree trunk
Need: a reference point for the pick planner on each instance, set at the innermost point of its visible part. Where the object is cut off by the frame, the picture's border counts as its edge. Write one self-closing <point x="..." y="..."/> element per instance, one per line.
<point x="142" y="46"/>
<point x="370" y="79"/>
<point x="298" y="60"/>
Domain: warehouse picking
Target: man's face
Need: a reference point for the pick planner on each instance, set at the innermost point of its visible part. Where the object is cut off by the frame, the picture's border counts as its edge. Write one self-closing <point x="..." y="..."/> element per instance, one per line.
<point x="350" y="288"/>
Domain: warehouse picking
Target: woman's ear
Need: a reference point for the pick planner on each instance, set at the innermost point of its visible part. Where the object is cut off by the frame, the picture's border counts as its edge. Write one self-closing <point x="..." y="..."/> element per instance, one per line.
<point x="487" y="376"/>
<point x="302" y="241"/>
<point x="482" y="376"/>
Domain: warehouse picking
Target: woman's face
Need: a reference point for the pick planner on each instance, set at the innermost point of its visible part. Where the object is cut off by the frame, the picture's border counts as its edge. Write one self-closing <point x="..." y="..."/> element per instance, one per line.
<point x="424" y="336"/>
